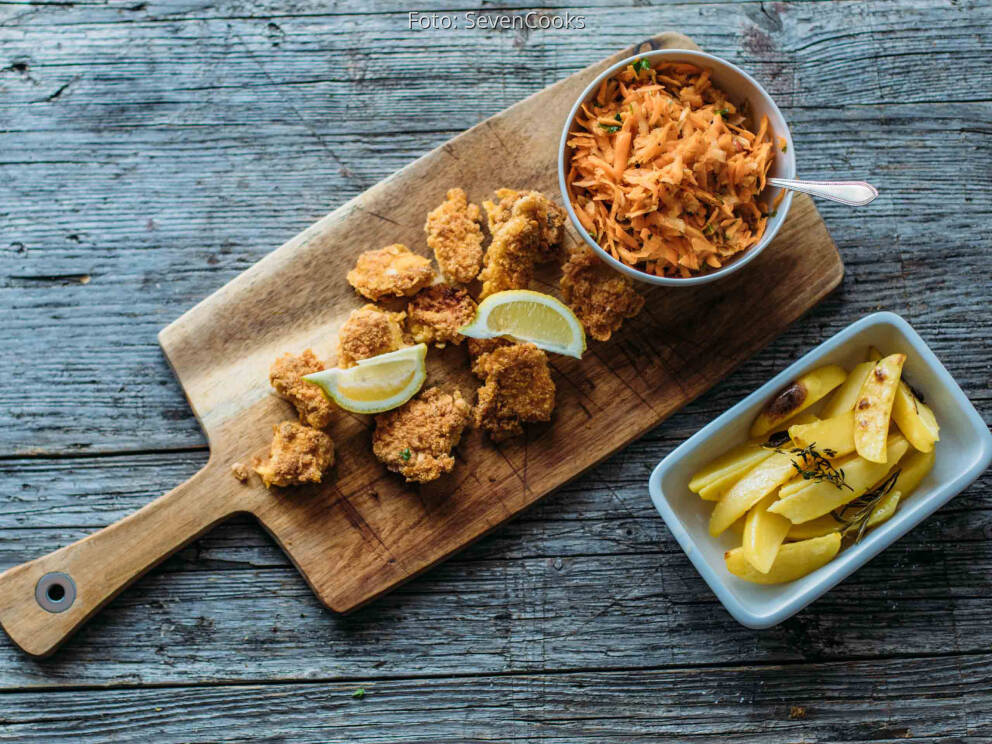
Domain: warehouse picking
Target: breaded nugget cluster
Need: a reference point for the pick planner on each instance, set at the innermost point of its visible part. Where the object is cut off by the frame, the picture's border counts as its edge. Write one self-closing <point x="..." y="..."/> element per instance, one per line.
<point x="416" y="439"/>
<point x="299" y="454"/>
<point x="527" y="230"/>
<point x="436" y="314"/>
<point x="600" y="296"/>
<point x="393" y="271"/>
<point x="453" y="233"/>
<point x="368" y="332"/>
<point x="517" y="389"/>
<point x="550" y="218"/>
<point x="286" y="376"/>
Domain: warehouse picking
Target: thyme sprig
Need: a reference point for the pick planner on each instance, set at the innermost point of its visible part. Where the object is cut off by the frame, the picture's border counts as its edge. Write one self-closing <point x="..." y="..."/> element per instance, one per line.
<point x="857" y="513"/>
<point x="816" y="465"/>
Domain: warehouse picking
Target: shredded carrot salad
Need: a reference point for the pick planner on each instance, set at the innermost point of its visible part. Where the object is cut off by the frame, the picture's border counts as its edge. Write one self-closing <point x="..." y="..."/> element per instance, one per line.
<point x="665" y="171"/>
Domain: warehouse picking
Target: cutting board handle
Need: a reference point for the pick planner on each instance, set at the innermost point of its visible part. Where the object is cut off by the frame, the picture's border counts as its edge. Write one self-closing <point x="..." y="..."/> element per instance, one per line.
<point x="44" y="601"/>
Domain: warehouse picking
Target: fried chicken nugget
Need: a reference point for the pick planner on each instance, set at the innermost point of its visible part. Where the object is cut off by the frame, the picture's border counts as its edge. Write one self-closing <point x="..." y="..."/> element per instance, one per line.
<point x="509" y="261"/>
<point x="550" y="216"/>
<point x="299" y="454"/>
<point x="416" y="439"/>
<point x="286" y="376"/>
<point x="436" y="314"/>
<point x="368" y="332"/>
<point x="480" y="347"/>
<point x="600" y="296"/>
<point x="454" y="234"/>
<point x="391" y="271"/>
<point x="518" y="388"/>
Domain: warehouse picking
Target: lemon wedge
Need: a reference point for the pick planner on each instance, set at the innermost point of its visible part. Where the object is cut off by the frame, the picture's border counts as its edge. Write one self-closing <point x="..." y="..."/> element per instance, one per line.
<point x="524" y="315"/>
<point x="376" y="384"/>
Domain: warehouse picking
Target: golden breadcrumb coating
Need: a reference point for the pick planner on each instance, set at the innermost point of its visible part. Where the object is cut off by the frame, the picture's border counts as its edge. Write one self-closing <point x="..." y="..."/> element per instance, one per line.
<point x="416" y="439"/>
<point x="299" y="454"/>
<point x="551" y="218"/>
<point x="518" y="388"/>
<point x="480" y="347"/>
<point x="436" y="314"/>
<point x="509" y="261"/>
<point x="391" y="271"/>
<point x="600" y="296"/>
<point x="454" y="234"/>
<point x="368" y="332"/>
<point x="286" y="376"/>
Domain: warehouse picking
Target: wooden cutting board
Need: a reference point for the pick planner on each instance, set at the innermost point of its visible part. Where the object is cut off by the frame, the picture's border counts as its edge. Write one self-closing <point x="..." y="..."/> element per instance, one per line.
<point x="364" y="531"/>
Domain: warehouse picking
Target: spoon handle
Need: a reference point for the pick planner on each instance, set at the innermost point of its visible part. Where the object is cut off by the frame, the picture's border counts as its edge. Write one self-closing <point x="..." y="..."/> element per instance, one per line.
<point x="852" y="193"/>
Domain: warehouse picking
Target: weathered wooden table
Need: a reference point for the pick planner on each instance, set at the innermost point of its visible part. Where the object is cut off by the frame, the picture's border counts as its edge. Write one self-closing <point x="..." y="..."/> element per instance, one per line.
<point x="150" y="151"/>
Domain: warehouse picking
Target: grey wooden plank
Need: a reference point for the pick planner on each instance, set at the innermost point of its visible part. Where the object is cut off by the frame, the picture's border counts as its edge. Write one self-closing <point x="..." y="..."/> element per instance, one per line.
<point x="588" y="578"/>
<point x="830" y="41"/>
<point x="924" y="700"/>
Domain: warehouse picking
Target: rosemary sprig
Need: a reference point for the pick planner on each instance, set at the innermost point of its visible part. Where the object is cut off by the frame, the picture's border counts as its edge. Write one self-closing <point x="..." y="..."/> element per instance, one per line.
<point x="857" y="513"/>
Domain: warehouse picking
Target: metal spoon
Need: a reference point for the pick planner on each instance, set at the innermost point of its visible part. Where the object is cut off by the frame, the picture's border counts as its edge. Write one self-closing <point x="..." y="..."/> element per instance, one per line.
<point x="852" y="193"/>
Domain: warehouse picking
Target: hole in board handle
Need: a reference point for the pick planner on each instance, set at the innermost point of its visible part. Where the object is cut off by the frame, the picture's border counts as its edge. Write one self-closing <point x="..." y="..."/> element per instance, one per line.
<point x="55" y="592"/>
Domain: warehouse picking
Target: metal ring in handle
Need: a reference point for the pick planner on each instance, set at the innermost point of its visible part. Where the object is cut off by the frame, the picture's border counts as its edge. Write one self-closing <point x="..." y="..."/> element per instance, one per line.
<point x="852" y="193"/>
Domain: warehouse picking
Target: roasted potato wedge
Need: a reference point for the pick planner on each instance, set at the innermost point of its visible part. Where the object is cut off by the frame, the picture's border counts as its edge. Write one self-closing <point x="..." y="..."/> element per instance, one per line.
<point x="912" y="469"/>
<point x="843" y="398"/>
<point x="741" y="457"/>
<point x="822" y="497"/>
<point x="714" y="490"/>
<point x="874" y="408"/>
<point x="793" y="561"/>
<point x="826" y="524"/>
<point x="834" y="437"/>
<point x="873" y="354"/>
<point x="797" y="397"/>
<point x="814" y="528"/>
<point x="749" y="490"/>
<point x="914" y="419"/>
<point x="763" y="534"/>
<point x="790" y="487"/>
<point x="738" y="461"/>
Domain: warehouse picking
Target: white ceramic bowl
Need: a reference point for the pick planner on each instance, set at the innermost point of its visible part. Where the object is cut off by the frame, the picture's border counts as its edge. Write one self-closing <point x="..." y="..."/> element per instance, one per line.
<point x="963" y="452"/>
<point x="740" y="87"/>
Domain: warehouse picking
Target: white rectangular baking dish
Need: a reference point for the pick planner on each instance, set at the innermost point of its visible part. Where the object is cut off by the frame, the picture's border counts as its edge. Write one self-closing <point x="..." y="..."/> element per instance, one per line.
<point x="963" y="452"/>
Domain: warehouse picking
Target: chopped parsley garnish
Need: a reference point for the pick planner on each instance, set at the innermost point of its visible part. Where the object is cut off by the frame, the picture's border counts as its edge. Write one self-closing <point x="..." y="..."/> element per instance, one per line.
<point x="610" y="129"/>
<point x="641" y="64"/>
<point x="405" y="454"/>
<point x="708" y="229"/>
<point x="723" y="112"/>
<point x="617" y="117"/>
<point x="785" y="148"/>
<point x="359" y="693"/>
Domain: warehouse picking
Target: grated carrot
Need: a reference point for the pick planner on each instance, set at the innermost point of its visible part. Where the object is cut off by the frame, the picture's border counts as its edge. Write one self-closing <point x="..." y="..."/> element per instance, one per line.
<point x="665" y="171"/>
